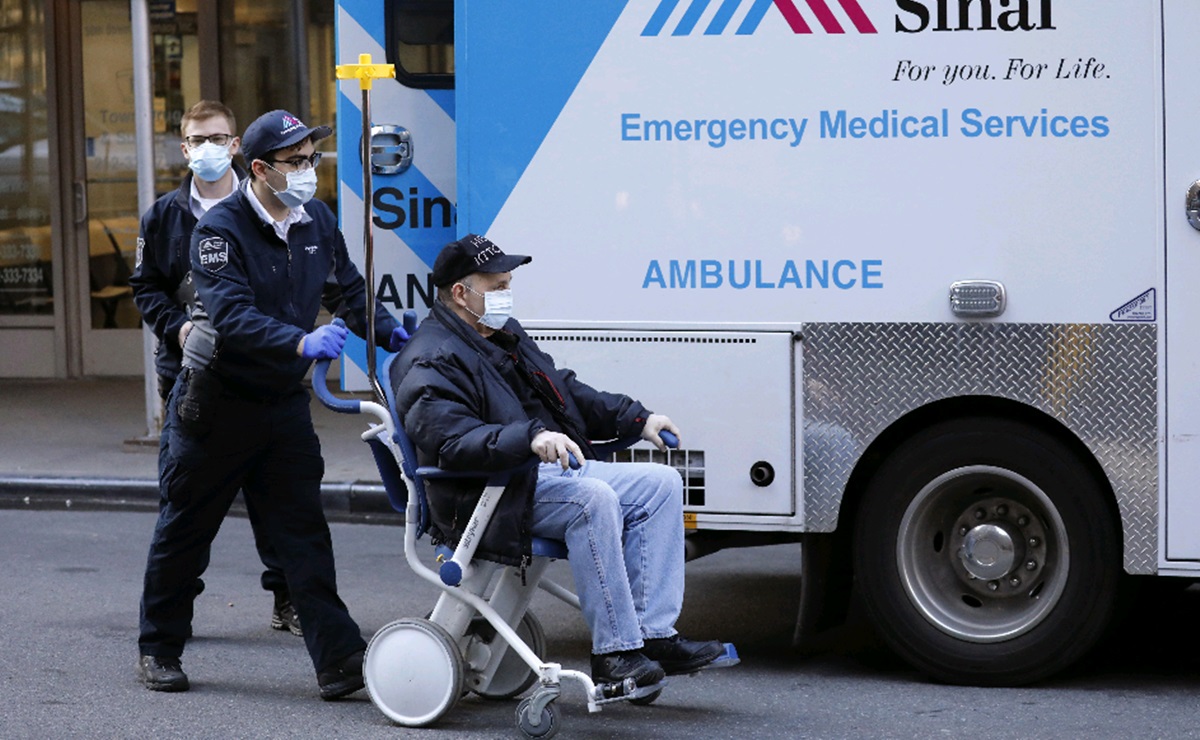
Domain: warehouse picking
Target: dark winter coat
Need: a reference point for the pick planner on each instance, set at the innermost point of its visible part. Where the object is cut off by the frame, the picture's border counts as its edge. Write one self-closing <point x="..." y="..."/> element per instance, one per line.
<point x="460" y="397"/>
<point x="163" y="261"/>
<point x="263" y="294"/>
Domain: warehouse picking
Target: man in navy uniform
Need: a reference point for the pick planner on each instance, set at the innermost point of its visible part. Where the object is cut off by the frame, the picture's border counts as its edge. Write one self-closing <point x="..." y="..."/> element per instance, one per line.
<point x="162" y="287"/>
<point x="262" y="260"/>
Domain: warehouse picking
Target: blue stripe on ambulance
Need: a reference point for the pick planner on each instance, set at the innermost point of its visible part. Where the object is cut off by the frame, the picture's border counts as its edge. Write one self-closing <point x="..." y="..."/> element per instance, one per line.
<point x="360" y="26"/>
<point x="569" y="35"/>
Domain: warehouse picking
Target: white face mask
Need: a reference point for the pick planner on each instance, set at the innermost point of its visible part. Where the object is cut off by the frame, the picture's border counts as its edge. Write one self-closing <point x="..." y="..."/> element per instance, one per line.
<point x="209" y="161"/>
<point x="301" y="187"/>
<point x="497" y="307"/>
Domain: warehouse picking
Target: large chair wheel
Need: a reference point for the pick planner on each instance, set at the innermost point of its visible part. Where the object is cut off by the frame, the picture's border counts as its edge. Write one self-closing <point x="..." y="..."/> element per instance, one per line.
<point x="513" y="676"/>
<point x="413" y="671"/>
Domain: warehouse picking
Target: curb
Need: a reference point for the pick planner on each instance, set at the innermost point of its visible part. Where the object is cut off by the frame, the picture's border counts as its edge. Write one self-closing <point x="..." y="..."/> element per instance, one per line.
<point x="351" y="501"/>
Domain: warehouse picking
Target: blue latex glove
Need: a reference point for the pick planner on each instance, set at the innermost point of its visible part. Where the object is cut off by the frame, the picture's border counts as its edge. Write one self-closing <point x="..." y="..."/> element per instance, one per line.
<point x="324" y="343"/>
<point x="398" y="339"/>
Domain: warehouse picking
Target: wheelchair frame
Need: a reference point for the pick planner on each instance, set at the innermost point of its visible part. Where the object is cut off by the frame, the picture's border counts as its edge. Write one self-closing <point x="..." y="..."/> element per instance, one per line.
<point x="417" y="669"/>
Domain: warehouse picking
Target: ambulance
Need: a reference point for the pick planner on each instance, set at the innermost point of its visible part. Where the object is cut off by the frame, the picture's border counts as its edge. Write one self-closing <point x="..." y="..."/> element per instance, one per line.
<point x="917" y="279"/>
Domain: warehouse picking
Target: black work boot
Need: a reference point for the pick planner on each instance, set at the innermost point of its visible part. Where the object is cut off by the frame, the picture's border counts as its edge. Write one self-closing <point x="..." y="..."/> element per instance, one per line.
<point x="161" y="674"/>
<point x="284" y="616"/>
<point x="342" y="678"/>
<point x="616" y="667"/>
<point x="679" y="655"/>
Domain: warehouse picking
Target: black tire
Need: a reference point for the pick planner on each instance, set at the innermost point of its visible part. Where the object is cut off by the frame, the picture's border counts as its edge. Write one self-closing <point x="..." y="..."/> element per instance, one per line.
<point x="547" y="725"/>
<point x="930" y="553"/>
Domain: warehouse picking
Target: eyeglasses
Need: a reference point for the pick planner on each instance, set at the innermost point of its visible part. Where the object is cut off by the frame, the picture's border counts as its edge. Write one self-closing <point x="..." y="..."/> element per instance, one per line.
<point x="218" y="139"/>
<point x="300" y="164"/>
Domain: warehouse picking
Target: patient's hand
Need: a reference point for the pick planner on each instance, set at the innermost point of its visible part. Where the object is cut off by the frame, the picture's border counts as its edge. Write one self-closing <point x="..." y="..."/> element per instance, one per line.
<point x="555" y="446"/>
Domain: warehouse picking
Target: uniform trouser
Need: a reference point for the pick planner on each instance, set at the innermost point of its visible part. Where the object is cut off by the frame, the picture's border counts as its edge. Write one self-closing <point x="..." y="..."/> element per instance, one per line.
<point x="272" y="576"/>
<point x="270" y="452"/>
<point x="623" y="525"/>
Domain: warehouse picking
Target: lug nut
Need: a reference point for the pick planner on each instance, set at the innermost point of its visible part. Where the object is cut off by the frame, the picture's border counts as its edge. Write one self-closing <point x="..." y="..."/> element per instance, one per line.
<point x="1030" y="565"/>
<point x="1002" y="510"/>
<point x="962" y="531"/>
<point x="1023" y="520"/>
<point x="1014" y="581"/>
<point x="1034" y="542"/>
<point x="980" y="513"/>
<point x="993" y="585"/>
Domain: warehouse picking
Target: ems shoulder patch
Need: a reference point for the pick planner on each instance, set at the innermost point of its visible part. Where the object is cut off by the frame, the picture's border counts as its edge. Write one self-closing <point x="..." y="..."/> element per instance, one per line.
<point x="214" y="253"/>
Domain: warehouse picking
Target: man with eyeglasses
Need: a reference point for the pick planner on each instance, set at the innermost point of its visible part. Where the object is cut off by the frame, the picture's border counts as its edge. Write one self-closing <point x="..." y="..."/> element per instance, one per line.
<point x="263" y="262"/>
<point x="163" y="291"/>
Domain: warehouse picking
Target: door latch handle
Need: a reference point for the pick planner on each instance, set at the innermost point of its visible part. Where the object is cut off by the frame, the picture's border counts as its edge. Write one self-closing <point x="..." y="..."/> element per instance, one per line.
<point x="81" y="210"/>
<point x="1193" y="205"/>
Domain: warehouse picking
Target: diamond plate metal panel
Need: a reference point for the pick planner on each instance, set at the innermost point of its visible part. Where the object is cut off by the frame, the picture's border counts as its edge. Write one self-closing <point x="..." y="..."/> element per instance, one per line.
<point x="1100" y="381"/>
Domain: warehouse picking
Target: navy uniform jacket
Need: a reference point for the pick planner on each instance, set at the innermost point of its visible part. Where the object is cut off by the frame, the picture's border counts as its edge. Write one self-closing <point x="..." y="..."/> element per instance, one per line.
<point x="163" y="260"/>
<point x="263" y="295"/>
<point x="461" y="402"/>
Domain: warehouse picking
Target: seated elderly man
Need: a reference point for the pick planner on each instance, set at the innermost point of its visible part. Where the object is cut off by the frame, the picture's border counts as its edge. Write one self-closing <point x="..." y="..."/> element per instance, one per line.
<point x="476" y="393"/>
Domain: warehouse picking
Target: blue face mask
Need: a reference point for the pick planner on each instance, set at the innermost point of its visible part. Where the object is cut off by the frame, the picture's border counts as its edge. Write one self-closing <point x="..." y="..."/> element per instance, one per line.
<point x="301" y="187"/>
<point x="209" y="161"/>
<point x="497" y="307"/>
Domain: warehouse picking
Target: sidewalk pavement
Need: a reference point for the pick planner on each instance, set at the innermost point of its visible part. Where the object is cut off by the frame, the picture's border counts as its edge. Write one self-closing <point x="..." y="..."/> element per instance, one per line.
<point x="84" y="444"/>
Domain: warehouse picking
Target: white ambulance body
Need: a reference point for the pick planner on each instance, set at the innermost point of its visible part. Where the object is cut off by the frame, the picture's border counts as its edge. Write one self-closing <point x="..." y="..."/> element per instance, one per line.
<point x="913" y="277"/>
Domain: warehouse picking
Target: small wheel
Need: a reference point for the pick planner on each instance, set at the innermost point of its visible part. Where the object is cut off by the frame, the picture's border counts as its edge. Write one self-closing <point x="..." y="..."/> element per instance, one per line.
<point x="413" y="671"/>
<point x="648" y="699"/>
<point x="987" y="552"/>
<point x="513" y="676"/>
<point x="546" y="727"/>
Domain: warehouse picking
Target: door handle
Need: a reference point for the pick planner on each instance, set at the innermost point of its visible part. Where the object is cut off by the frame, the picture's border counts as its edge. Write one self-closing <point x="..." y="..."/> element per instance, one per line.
<point x="81" y="209"/>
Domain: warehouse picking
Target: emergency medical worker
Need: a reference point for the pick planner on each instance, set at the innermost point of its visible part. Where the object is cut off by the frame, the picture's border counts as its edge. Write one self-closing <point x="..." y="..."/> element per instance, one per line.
<point x="476" y="393"/>
<point x="163" y="292"/>
<point x="261" y="261"/>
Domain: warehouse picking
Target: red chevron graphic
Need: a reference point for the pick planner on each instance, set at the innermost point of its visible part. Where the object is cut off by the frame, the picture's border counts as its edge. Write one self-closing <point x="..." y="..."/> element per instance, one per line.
<point x="860" y="20"/>
<point x="826" y="18"/>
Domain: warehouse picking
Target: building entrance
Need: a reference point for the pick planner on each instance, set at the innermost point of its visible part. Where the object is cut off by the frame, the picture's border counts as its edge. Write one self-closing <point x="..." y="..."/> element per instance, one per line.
<point x="68" y="172"/>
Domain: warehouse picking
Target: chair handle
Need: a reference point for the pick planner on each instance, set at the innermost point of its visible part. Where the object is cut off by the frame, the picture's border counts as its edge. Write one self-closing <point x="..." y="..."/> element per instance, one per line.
<point x="320" y="384"/>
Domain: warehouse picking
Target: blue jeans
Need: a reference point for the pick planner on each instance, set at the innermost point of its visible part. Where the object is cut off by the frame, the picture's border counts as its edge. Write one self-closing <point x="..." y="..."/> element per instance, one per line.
<point x="623" y="525"/>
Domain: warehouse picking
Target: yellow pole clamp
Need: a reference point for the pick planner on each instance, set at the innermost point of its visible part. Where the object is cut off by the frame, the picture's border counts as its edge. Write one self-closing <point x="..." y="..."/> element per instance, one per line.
<point x="365" y="72"/>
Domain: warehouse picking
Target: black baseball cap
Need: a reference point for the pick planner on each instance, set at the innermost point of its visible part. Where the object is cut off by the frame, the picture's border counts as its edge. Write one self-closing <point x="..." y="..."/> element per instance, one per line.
<point x="277" y="130"/>
<point x="473" y="253"/>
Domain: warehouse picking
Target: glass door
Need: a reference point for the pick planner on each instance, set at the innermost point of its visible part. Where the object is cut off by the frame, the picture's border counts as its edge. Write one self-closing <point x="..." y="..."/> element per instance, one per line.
<point x="27" y="269"/>
<point x="106" y="198"/>
<point x="106" y="193"/>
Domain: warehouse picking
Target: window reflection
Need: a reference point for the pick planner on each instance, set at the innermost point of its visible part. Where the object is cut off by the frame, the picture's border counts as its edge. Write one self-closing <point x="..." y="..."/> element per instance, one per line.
<point x="420" y="38"/>
<point x="25" y="254"/>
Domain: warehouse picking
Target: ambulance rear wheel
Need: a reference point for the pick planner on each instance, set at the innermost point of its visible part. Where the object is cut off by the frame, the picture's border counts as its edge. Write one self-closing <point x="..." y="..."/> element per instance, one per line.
<point x="413" y="671"/>
<point x="987" y="552"/>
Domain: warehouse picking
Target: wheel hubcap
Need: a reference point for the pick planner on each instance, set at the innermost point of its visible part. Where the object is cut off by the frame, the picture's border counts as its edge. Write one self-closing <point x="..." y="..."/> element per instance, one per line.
<point x="982" y="553"/>
<point x="987" y="551"/>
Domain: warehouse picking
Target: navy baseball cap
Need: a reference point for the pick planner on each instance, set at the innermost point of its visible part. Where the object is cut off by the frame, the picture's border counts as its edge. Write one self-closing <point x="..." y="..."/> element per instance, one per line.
<point x="473" y="253"/>
<point x="277" y="130"/>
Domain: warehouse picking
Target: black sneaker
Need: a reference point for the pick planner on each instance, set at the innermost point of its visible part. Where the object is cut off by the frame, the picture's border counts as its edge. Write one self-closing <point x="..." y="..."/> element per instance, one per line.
<point x="284" y="616"/>
<point x="344" y="677"/>
<point x="679" y="655"/>
<point x="616" y="667"/>
<point x="161" y="674"/>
